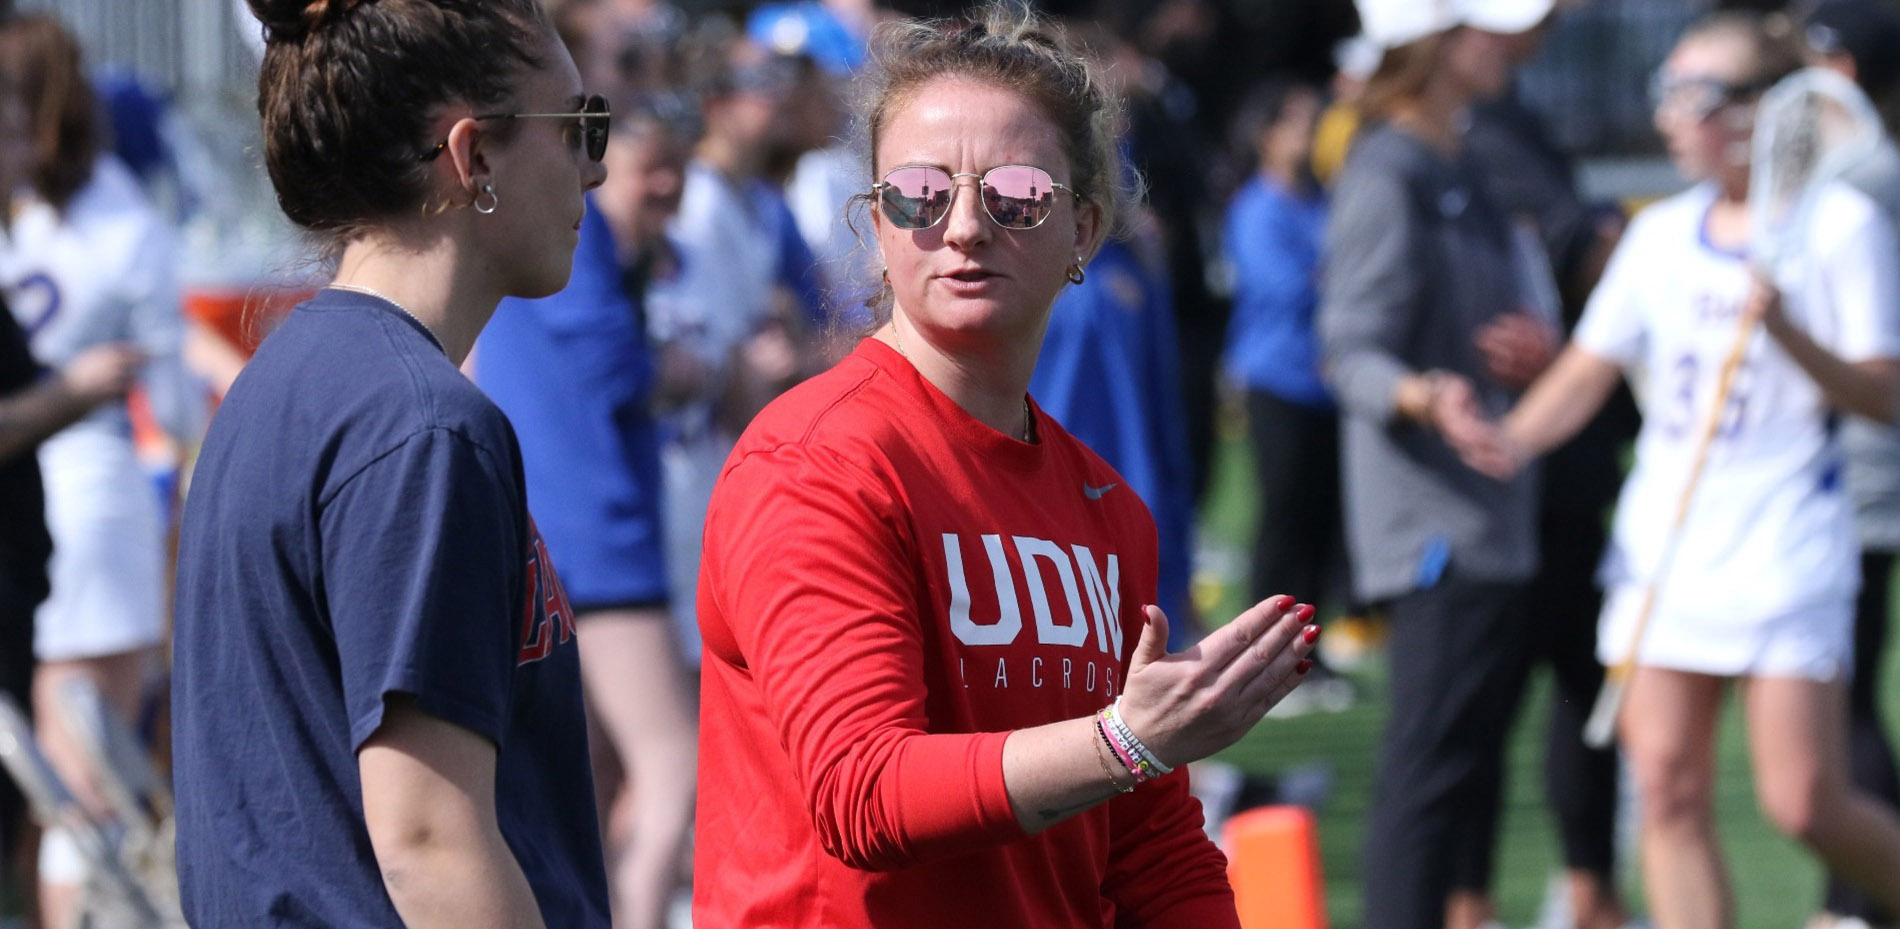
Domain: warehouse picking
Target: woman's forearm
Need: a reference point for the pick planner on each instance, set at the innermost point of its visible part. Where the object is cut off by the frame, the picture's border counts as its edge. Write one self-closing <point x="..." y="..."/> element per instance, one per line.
<point x="455" y="885"/>
<point x="429" y="807"/>
<point x="1560" y="403"/>
<point x="1056" y="771"/>
<point x="1864" y="388"/>
<point x="34" y="414"/>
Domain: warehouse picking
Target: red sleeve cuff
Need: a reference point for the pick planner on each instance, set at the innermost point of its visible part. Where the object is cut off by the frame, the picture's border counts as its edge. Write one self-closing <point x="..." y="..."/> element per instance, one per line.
<point x="1215" y="911"/>
<point x="952" y="794"/>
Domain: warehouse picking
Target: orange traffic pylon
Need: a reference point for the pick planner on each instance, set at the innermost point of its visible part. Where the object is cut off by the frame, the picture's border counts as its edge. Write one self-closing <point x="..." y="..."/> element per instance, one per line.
<point x="1273" y="863"/>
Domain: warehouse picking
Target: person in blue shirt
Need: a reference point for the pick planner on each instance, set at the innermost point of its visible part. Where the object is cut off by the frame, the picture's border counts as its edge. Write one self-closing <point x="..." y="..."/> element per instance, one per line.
<point x="591" y="450"/>
<point x="378" y="715"/>
<point x="745" y="304"/>
<point x="1109" y="372"/>
<point x="1272" y="244"/>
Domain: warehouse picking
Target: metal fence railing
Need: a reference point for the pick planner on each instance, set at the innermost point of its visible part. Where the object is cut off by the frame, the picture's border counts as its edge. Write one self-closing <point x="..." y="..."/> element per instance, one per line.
<point x="196" y="54"/>
<point x="189" y="48"/>
<point x="1590" y="81"/>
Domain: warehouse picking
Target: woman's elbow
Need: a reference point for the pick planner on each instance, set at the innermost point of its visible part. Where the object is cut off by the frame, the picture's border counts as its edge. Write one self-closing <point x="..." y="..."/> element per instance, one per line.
<point x="408" y="847"/>
<point x="852" y="822"/>
<point x="860" y="844"/>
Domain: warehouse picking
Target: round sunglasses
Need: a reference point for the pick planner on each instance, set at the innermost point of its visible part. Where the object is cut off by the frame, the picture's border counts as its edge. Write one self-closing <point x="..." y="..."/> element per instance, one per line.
<point x="1014" y="196"/>
<point x="594" y="115"/>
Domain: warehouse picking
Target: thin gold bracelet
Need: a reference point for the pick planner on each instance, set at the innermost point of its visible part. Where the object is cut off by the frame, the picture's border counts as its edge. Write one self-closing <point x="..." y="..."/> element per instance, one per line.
<point x="1112" y="782"/>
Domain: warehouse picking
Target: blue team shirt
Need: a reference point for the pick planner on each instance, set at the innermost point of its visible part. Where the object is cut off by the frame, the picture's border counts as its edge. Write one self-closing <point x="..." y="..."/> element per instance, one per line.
<point x="358" y="527"/>
<point x="1109" y="372"/>
<point x="1272" y="241"/>
<point x="574" y="374"/>
<point x="798" y="269"/>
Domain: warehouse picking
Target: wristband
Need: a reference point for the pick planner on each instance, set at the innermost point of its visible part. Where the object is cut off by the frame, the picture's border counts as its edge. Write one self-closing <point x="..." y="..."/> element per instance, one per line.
<point x="1133" y="755"/>
<point x="1120" y="748"/>
<point x="1139" y="749"/>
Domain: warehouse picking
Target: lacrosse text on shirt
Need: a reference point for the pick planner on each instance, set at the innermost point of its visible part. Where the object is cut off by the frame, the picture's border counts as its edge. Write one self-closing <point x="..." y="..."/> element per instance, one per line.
<point x="1085" y="616"/>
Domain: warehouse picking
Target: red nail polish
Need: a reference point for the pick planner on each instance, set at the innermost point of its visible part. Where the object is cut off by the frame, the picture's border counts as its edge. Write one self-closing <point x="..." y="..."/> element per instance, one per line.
<point x="1311" y="634"/>
<point x="1305" y="665"/>
<point x="1304" y="611"/>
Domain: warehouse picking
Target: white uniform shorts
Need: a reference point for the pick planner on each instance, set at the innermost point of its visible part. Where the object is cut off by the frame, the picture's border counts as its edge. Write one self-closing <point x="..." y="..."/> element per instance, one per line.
<point x="108" y="564"/>
<point x="1815" y="642"/>
<point x="688" y="470"/>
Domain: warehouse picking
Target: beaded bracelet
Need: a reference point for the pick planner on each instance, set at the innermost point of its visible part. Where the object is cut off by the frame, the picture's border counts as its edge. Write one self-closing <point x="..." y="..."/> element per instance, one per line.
<point x="1104" y="762"/>
<point x="1142" y="771"/>
<point x="1136" y="748"/>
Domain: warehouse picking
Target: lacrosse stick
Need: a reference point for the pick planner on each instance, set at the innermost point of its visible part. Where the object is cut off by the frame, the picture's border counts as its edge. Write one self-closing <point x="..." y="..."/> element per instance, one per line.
<point x="140" y="799"/>
<point x="117" y="761"/>
<point x="1810" y="127"/>
<point x="113" y="896"/>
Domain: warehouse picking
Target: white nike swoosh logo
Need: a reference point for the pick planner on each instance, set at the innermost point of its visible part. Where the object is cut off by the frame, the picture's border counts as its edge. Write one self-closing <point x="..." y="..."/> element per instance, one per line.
<point x="1095" y="493"/>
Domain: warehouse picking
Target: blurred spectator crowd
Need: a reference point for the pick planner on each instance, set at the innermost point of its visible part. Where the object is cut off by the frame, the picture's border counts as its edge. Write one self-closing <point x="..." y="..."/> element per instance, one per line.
<point x="730" y="249"/>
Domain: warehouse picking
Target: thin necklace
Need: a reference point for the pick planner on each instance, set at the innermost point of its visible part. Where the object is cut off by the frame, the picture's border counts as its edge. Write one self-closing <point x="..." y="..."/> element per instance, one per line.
<point x="897" y="337"/>
<point x="371" y="291"/>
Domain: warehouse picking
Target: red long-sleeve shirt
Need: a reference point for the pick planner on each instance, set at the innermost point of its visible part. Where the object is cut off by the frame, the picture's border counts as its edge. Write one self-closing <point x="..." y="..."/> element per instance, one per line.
<point x="889" y="587"/>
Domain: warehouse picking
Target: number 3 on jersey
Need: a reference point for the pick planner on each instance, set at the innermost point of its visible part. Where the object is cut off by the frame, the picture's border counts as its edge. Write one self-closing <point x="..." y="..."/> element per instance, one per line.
<point x="35" y="300"/>
<point x="1685" y="412"/>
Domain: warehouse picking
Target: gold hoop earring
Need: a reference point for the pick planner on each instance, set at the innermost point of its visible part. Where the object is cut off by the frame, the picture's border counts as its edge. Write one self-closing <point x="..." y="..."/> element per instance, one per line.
<point x="494" y="199"/>
<point x="1076" y="276"/>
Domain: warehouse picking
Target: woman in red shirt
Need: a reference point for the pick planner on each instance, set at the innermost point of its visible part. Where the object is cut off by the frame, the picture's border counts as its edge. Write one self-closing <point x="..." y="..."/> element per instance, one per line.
<point x="934" y="693"/>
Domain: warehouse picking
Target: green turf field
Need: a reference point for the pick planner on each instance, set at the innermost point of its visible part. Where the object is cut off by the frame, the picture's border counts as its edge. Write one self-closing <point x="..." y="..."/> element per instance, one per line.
<point x="1776" y="884"/>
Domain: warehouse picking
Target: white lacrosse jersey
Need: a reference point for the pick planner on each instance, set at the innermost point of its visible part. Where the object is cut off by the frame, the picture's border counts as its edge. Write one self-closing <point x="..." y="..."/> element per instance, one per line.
<point x="105" y="271"/>
<point x="1770" y="530"/>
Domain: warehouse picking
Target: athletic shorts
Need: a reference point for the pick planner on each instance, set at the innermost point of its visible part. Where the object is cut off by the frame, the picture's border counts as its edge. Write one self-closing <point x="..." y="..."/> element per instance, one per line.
<point x="108" y="564"/>
<point x="1814" y="643"/>
<point x="689" y="470"/>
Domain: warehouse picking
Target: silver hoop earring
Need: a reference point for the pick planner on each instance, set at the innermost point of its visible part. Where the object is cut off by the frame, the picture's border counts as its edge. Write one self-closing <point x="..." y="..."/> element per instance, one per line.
<point x="494" y="199"/>
<point x="1075" y="272"/>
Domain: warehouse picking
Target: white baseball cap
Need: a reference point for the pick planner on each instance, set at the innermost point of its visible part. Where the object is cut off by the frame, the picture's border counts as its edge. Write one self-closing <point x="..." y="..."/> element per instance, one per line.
<point x="1392" y="23"/>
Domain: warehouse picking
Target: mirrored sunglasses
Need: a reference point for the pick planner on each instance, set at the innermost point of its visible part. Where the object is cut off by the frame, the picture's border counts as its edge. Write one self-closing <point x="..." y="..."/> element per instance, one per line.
<point x="1015" y="196"/>
<point x="1697" y="97"/>
<point x="589" y="133"/>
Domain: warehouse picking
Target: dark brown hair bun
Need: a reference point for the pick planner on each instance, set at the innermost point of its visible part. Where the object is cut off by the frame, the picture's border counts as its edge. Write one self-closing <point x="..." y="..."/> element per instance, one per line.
<point x="292" y="20"/>
<point x="348" y="89"/>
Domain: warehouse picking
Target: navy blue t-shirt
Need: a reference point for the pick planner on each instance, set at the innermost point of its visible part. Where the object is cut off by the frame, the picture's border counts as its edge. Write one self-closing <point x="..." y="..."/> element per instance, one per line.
<point x="358" y="527"/>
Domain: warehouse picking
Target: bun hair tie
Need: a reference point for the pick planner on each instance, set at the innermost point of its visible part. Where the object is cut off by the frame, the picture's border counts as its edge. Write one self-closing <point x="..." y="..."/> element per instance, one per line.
<point x="295" y="20"/>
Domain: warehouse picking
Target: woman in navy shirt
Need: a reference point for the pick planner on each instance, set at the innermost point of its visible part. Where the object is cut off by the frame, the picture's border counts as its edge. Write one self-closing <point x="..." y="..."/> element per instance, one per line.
<point x="379" y="717"/>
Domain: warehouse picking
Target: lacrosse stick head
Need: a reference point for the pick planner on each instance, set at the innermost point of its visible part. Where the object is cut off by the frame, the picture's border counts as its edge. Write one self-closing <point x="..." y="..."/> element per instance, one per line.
<point x="1810" y="128"/>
